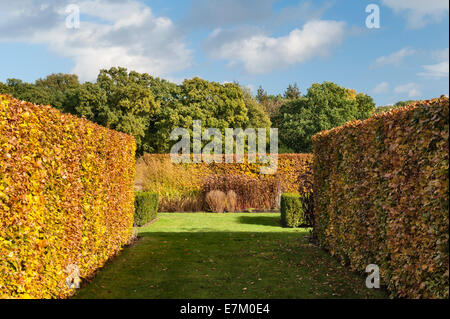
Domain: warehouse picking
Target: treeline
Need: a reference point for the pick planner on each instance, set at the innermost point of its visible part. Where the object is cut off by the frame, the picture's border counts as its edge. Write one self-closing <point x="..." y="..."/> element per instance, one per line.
<point x="324" y="106"/>
<point x="149" y="108"/>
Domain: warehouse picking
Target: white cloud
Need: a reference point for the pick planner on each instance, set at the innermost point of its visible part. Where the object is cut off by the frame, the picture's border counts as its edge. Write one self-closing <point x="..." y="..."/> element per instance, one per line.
<point x="111" y="33"/>
<point x="419" y="13"/>
<point x="411" y="89"/>
<point x="261" y="54"/>
<point x="394" y="58"/>
<point x="440" y="69"/>
<point x="381" y="88"/>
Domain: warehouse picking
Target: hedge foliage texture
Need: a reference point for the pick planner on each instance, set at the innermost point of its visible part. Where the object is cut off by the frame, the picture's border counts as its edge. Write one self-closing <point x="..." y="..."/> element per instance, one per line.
<point x="66" y="197"/>
<point x="381" y="196"/>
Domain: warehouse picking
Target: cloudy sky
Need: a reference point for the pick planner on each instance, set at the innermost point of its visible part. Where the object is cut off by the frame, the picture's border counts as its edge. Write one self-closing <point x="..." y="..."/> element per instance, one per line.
<point x="256" y="42"/>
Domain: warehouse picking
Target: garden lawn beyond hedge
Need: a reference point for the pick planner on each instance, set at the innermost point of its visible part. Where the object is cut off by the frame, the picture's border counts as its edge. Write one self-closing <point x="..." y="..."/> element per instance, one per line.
<point x="196" y="255"/>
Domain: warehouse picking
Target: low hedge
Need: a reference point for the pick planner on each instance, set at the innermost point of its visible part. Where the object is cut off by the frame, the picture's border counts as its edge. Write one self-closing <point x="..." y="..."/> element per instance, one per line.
<point x="146" y="208"/>
<point x="294" y="210"/>
<point x="66" y="198"/>
<point x="381" y="196"/>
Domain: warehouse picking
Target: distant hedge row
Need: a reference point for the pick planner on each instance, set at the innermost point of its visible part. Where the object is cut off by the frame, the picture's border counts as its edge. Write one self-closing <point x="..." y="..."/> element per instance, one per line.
<point x="381" y="192"/>
<point x="66" y="198"/>
<point x="181" y="187"/>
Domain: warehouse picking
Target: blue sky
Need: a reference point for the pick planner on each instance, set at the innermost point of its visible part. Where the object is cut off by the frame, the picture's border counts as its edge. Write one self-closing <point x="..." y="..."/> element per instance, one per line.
<point x="255" y="42"/>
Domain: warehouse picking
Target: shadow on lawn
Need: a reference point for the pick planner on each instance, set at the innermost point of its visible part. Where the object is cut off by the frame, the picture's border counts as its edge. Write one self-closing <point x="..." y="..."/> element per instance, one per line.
<point x="214" y="264"/>
<point x="261" y="220"/>
<point x="224" y="257"/>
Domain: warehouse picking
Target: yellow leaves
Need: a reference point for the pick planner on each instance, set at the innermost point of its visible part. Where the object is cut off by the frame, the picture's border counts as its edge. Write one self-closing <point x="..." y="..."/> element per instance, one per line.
<point x="44" y="192"/>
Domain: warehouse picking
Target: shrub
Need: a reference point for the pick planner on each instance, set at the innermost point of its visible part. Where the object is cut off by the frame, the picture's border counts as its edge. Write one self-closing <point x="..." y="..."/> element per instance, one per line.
<point x="66" y="198"/>
<point x="257" y="193"/>
<point x="187" y="203"/>
<point x="231" y="201"/>
<point x="293" y="213"/>
<point x="216" y="201"/>
<point x="381" y="196"/>
<point x="146" y="208"/>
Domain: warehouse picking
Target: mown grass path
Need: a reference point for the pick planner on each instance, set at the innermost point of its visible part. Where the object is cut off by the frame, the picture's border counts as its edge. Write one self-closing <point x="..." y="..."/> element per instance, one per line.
<point x="224" y="256"/>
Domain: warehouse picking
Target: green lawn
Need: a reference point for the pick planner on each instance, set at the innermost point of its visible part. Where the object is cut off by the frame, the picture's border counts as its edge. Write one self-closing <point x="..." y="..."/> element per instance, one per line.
<point x="224" y="256"/>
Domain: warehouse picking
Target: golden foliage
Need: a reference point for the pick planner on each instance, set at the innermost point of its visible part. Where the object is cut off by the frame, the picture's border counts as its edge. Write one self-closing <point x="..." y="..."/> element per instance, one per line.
<point x="381" y="193"/>
<point x="66" y="197"/>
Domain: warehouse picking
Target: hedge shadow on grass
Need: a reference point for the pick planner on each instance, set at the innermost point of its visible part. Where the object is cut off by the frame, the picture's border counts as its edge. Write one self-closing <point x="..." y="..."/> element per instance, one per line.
<point x="260" y="220"/>
<point x="222" y="264"/>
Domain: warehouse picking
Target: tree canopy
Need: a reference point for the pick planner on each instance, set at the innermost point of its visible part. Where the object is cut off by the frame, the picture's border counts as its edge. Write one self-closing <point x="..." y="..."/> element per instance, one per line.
<point x="325" y="106"/>
<point x="292" y="92"/>
<point x="149" y="108"/>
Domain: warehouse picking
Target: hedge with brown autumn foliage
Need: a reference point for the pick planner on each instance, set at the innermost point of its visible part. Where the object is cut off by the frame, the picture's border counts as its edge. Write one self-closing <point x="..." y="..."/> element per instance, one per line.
<point x="66" y="197"/>
<point x="381" y="193"/>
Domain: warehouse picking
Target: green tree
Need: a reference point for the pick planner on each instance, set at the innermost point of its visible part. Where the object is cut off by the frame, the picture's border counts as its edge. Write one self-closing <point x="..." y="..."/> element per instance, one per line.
<point x="29" y="92"/>
<point x="119" y="100"/>
<point x="292" y="92"/>
<point x="49" y="91"/>
<point x="4" y="88"/>
<point x="270" y="104"/>
<point x="87" y="100"/>
<point x="258" y="118"/>
<point x="261" y="94"/>
<point x="59" y="82"/>
<point x="129" y="101"/>
<point x="216" y="105"/>
<point x="58" y="85"/>
<point x="325" y="106"/>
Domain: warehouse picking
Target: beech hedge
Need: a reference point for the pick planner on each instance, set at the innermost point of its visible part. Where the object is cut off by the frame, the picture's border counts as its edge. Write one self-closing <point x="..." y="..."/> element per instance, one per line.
<point x="381" y="196"/>
<point x="66" y="198"/>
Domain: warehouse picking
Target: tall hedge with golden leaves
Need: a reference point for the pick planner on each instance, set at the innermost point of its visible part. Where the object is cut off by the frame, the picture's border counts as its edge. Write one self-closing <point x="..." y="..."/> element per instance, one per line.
<point x="66" y="197"/>
<point x="381" y="192"/>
